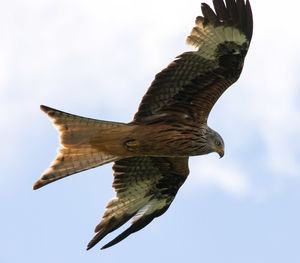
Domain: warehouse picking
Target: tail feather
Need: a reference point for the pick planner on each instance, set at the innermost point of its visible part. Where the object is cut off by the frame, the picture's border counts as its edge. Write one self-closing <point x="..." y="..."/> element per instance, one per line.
<point x="78" y="152"/>
<point x="71" y="161"/>
<point x="76" y="130"/>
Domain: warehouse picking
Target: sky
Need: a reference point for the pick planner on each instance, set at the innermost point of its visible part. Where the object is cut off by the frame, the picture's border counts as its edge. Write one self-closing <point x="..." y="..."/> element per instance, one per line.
<point x="97" y="59"/>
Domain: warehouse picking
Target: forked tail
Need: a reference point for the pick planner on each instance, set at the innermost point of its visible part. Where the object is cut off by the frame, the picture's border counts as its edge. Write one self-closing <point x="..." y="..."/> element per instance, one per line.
<point x="81" y="139"/>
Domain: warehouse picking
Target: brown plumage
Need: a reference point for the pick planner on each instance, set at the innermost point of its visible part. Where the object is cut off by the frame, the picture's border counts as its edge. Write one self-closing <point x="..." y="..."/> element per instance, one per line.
<point x="151" y="152"/>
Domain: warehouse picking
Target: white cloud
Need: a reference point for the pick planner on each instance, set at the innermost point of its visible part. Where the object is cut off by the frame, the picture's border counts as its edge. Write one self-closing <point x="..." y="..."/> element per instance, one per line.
<point x="273" y="97"/>
<point x="208" y="171"/>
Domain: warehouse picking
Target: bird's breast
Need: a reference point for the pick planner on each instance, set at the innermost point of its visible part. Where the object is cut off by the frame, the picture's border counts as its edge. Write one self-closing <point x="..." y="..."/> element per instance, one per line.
<point x="167" y="140"/>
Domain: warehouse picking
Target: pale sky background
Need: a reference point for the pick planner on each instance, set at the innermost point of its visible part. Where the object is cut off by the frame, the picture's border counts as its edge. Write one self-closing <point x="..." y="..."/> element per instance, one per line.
<point x="96" y="59"/>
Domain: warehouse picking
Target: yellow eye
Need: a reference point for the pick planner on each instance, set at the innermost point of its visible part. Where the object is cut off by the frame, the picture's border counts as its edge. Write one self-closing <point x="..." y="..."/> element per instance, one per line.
<point x="217" y="143"/>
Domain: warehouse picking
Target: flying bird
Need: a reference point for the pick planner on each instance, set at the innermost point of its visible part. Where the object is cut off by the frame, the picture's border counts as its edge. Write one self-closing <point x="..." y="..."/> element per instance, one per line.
<point x="151" y="153"/>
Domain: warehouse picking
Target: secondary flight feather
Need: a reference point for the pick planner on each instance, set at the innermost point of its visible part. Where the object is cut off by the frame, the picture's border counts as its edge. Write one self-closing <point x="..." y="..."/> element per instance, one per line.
<point x="151" y="153"/>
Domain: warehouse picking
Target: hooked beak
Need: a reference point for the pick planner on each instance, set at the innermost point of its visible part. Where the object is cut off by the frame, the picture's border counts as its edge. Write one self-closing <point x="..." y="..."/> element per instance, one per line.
<point x="221" y="153"/>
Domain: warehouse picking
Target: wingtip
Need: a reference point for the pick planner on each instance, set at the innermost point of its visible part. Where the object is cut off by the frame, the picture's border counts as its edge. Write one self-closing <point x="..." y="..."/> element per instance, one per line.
<point x="250" y="19"/>
<point x="37" y="185"/>
<point x="47" y="109"/>
<point x="91" y="244"/>
<point x="97" y="238"/>
<point x="236" y="12"/>
<point x="109" y="244"/>
<point x="88" y="248"/>
<point x="44" y="108"/>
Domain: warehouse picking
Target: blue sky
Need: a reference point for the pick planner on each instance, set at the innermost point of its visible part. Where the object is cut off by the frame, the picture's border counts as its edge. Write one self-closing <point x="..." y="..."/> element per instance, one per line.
<point x="96" y="59"/>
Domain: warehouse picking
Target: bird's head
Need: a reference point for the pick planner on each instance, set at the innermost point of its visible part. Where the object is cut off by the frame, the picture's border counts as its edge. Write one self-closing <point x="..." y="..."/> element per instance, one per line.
<point x="215" y="142"/>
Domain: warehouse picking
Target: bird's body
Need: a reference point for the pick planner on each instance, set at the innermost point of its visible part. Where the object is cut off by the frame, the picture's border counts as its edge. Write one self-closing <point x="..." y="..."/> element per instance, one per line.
<point x="151" y="152"/>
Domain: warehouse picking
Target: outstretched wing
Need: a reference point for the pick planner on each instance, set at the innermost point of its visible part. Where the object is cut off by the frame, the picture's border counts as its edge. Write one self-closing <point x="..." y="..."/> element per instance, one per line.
<point x="145" y="187"/>
<point x="189" y="87"/>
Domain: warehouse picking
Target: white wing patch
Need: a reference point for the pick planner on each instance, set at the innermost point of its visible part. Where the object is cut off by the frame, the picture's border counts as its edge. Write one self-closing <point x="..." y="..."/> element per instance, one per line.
<point x="207" y="38"/>
<point x="149" y="208"/>
<point x="142" y="212"/>
<point x="117" y="207"/>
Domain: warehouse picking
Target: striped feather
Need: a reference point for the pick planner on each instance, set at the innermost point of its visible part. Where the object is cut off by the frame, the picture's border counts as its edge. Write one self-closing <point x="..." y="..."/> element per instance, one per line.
<point x="222" y="40"/>
<point x="77" y="152"/>
<point x="145" y="188"/>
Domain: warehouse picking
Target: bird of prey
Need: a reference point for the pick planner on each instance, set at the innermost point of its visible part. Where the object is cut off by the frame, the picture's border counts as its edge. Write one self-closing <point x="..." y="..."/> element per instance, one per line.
<point x="151" y="153"/>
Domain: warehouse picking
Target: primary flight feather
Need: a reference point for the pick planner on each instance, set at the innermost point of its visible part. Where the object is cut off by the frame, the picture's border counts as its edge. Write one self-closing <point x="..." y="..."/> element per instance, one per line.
<point x="151" y="153"/>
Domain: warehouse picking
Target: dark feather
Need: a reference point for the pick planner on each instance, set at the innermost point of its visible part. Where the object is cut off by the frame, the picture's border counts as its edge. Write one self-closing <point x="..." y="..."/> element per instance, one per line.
<point x="152" y="181"/>
<point x="241" y="15"/>
<point x="112" y="225"/>
<point x="232" y="9"/>
<point x="209" y="14"/>
<point x="249" y="20"/>
<point x="221" y="10"/>
<point x="190" y="86"/>
<point x="136" y="226"/>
